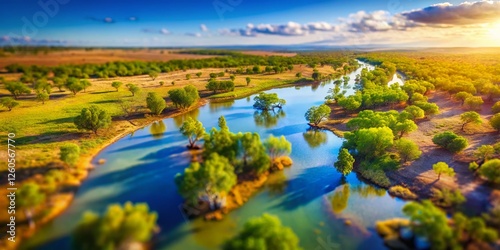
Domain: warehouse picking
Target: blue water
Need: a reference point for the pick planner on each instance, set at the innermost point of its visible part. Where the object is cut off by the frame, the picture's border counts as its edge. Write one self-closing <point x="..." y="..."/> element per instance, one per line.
<point x="310" y="197"/>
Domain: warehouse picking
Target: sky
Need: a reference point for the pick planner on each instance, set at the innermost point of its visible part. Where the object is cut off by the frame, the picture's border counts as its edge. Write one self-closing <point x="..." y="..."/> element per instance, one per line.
<point x="167" y="23"/>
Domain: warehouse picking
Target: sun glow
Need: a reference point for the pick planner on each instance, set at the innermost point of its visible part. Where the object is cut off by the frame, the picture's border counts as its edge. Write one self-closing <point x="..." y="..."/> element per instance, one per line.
<point x="494" y="33"/>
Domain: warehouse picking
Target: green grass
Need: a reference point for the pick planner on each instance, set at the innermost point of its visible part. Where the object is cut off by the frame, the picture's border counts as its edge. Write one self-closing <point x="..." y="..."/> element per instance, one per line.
<point x="258" y="85"/>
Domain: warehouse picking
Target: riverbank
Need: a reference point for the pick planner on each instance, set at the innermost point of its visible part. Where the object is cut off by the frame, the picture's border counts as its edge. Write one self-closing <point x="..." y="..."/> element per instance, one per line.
<point x="418" y="175"/>
<point x="120" y="128"/>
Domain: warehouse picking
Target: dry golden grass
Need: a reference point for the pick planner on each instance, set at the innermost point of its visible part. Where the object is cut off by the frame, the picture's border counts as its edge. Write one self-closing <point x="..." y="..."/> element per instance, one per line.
<point x="81" y="56"/>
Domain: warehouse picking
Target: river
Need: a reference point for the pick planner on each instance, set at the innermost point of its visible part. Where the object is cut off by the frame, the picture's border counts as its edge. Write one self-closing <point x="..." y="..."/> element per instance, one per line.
<point x="310" y="197"/>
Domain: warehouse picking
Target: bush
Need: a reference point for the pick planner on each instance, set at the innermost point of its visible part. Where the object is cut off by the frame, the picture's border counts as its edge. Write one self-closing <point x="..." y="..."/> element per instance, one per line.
<point x="155" y="103"/>
<point x="447" y="198"/>
<point x="496" y="107"/>
<point x="495" y="122"/>
<point x="93" y="119"/>
<point x="450" y="141"/>
<point x="491" y="170"/>
<point x="402" y="192"/>
<point x="69" y="154"/>
<point x="377" y="176"/>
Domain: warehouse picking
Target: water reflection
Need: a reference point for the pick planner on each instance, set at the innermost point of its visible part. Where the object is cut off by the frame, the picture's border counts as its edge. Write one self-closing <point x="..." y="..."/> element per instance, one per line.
<point x="276" y="183"/>
<point x="268" y="119"/>
<point x="178" y="120"/>
<point x="315" y="137"/>
<point x="157" y="129"/>
<point x="218" y="106"/>
<point x="340" y="198"/>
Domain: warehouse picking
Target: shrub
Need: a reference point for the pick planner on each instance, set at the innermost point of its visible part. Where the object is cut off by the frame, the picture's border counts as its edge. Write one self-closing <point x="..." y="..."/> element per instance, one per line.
<point x="450" y="141"/>
<point x="377" y="176"/>
<point x="491" y="170"/>
<point x="496" y="107"/>
<point x="155" y="103"/>
<point x="447" y="198"/>
<point x="402" y="192"/>
<point x="69" y="154"/>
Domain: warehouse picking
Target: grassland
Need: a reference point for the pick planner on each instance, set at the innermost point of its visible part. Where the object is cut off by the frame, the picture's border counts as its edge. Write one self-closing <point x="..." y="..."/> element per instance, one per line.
<point x="42" y="128"/>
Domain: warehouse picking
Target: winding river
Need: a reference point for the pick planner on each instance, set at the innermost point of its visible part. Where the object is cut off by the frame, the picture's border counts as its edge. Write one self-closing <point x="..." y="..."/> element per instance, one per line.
<point x="310" y="197"/>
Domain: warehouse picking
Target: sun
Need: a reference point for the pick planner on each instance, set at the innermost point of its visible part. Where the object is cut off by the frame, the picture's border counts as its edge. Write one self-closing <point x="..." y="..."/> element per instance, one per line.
<point x="494" y="33"/>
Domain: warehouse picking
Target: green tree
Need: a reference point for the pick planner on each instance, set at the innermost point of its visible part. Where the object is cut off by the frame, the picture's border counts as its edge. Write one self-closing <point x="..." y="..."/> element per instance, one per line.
<point x="248" y="80"/>
<point x="404" y="127"/>
<point x="184" y="97"/>
<point x="93" y="119"/>
<point x="350" y="103"/>
<point x="484" y="152"/>
<point x="496" y="107"/>
<point x="443" y="168"/>
<point x="495" y="122"/>
<point x="59" y="82"/>
<point x="214" y="178"/>
<point x="42" y="85"/>
<point x="120" y="227"/>
<point x="447" y="198"/>
<point x="430" y="222"/>
<point x="371" y="142"/>
<point x="134" y="89"/>
<point x="429" y="108"/>
<point x="407" y="149"/>
<point x="470" y="117"/>
<point x="316" y="75"/>
<point x="316" y="114"/>
<point x="8" y="102"/>
<point x="116" y="85"/>
<point x="73" y="85"/>
<point x="193" y="129"/>
<point x="298" y="75"/>
<point x="199" y="74"/>
<point x="344" y="163"/>
<point x="155" y="103"/>
<point x="17" y="88"/>
<point x="474" y="102"/>
<point x="69" y="153"/>
<point x="153" y="74"/>
<point x="462" y="96"/>
<point x="415" y="112"/>
<point x="265" y="232"/>
<point x="253" y="153"/>
<point x="472" y="230"/>
<point x="269" y="101"/>
<point x="221" y="141"/>
<point x="28" y="197"/>
<point x="42" y="96"/>
<point x="188" y="76"/>
<point x="232" y="77"/>
<point x="85" y="84"/>
<point x="450" y="141"/>
<point x="277" y="146"/>
<point x="491" y="170"/>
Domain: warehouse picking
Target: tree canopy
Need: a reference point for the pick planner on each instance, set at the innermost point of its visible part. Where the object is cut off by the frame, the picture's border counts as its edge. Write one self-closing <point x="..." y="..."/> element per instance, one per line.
<point x="450" y="141"/>
<point x="93" y="119"/>
<point x="184" y="97"/>
<point x="265" y="232"/>
<point x="344" y="163"/>
<point x="316" y="114"/>
<point x="193" y="129"/>
<point x="155" y="103"/>
<point x="118" y="228"/>
<point x="269" y="101"/>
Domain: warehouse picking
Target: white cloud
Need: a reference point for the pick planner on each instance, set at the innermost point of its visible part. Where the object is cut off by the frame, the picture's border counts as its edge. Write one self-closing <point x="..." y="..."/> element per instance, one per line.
<point x="203" y="28"/>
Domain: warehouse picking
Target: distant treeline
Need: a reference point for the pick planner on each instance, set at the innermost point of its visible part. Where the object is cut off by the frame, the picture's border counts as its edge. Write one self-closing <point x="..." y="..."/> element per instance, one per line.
<point x="233" y="60"/>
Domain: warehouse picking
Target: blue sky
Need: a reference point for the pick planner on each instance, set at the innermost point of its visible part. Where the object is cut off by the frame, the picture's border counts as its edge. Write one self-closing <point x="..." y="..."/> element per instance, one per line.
<point x="247" y="22"/>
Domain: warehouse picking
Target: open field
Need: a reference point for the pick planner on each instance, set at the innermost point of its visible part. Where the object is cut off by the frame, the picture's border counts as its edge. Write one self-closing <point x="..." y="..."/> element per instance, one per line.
<point x="82" y="56"/>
